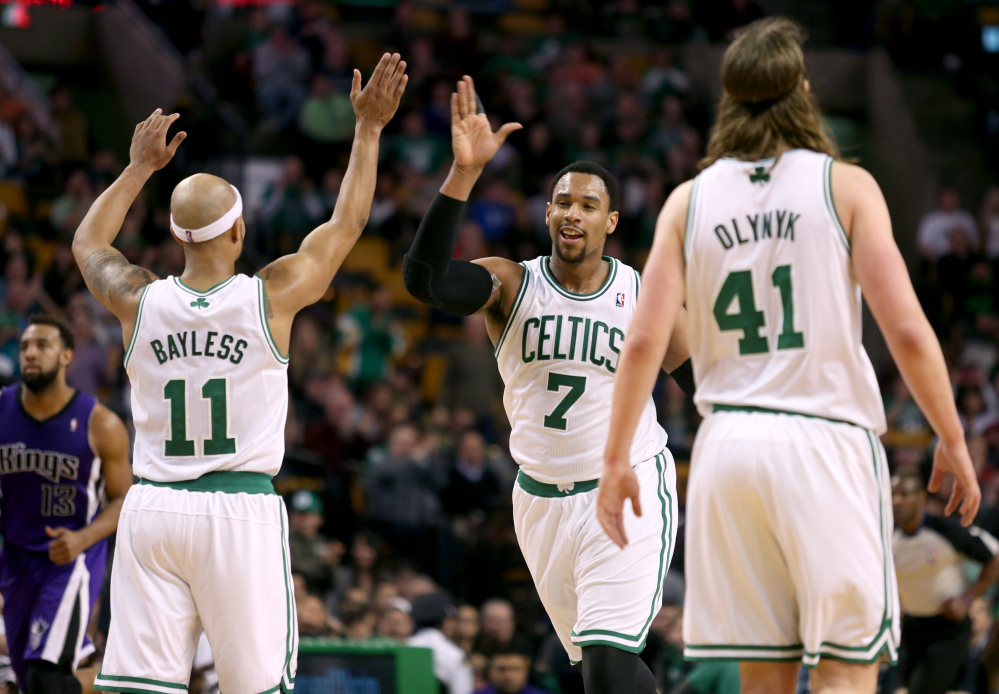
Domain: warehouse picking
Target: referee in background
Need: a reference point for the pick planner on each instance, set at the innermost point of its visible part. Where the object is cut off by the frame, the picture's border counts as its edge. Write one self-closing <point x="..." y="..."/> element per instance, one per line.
<point x="933" y="591"/>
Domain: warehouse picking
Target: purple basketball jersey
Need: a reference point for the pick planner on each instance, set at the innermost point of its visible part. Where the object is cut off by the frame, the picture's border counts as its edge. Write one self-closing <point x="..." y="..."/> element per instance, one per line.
<point x="49" y="476"/>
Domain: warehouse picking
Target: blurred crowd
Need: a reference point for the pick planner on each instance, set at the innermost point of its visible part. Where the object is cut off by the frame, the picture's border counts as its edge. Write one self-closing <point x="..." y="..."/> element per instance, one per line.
<point x="397" y="475"/>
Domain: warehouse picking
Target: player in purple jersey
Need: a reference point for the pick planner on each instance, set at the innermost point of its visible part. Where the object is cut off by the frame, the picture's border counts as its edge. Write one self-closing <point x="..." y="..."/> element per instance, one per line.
<point x="59" y="450"/>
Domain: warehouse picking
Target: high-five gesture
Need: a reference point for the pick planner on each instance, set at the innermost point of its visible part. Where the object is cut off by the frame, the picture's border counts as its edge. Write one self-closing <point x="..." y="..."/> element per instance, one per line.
<point x="472" y="138"/>
<point x="149" y="148"/>
<point x="377" y="102"/>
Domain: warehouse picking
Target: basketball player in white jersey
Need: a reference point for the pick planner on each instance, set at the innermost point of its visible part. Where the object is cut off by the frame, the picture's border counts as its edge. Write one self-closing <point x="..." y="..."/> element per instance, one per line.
<point x="203" y="538"/>
<point x="788" y="515"/>
<point x="559" y="324"/>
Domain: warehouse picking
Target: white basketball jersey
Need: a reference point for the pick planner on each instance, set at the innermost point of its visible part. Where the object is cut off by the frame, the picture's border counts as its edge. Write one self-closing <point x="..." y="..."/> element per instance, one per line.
<point x="775" y="310"/>
<point x="209" y="386"/>
<point x="557" y="354"/>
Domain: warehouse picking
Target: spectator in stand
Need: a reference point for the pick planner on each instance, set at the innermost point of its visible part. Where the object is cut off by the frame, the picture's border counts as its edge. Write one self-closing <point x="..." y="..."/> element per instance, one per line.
<point x="358" y="623"/>
<point x="313" y="619"/>
<point x="327" y="123"/>
<point x="363" y="571"/>
<point x="435" y="618"/>
<point x="472" y="488"/>
<point x="933" y="592"/>
<point x="89" y="370"/>
<point x="938" y="226"/>
<point x="395" y="623"/>
<point x="472" y="381"/>
<point x="62" y="278"/>
<point x="72" y="131"/>
<point x="509" y="671"/>
<point x="415" y="148"/>
<point x="290" y="207"/>
<point x="374" y="336"/>
<point x="312" y="555"/>
<point x="498" y="627"/>
<point x="280" y="68"/>
<point x="988" y="223"/>
<point x="467" y="629"/>
<point x="69" y="209"/>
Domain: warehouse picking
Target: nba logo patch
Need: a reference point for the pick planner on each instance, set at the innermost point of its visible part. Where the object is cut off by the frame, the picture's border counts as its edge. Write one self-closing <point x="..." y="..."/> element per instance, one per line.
<point x="72" y="425"/>
<point x="620" y="299"/>
<point x="190" y="237"/>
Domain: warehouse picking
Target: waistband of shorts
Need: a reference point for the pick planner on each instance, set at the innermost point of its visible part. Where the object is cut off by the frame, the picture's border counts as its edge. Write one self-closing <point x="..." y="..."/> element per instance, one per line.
<point x="544" y="489"/>
<point x="532" y="486"/>
<point x="228" y="482"/>
<point x="767" y="410"/>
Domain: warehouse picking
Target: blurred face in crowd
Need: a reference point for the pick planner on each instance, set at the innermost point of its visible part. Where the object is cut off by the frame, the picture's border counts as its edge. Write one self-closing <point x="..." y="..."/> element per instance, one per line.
<point x="43" y="356"/>
<point x="508" y="672"/>
<point x="385" y="593"/>
<point x="306" y="523"/>
<point x="497" y="621"/>
<point x="472" y="449"/>
<point x="579" y="217"/>
<point x="402" y="441"/>
<point x="395" y="624"/>
<point x="468" y="623"/>
<point x="949" y="200"/>
<point x="312" y="617"/>
<point x="363" y="553"/>
<point x="908" y="500"/>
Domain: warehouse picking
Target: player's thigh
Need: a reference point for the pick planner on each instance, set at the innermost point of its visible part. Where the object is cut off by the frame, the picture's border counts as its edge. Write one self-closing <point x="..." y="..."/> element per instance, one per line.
<point x="242" y="585"/>
<point x="154" y="624"/>
<point x="768" y="678"/>
<point x="619" y="591"/>
<point x="546" y="529"/>
<point x="740" y="599"/>
<point x="833" y="523"/>
<point x="838" y="677"/>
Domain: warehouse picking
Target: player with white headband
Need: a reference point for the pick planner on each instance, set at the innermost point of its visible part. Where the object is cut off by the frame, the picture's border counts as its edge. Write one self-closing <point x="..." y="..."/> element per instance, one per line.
<point x="203" y="534"/>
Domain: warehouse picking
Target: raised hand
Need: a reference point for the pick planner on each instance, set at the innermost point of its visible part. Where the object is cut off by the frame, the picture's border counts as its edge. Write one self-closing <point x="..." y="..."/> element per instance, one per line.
<point x="955" y="460"/>
<point x="149" y="148"/>
<point x="378" y="101"/>
<point x="472" y="138"/>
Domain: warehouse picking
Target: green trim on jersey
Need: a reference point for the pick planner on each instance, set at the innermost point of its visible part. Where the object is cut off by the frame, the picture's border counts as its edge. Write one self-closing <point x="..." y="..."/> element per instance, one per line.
<point x="223" y="481"/>
<point x="831" y="204"/>
<point x="638" y="283"/>
<point x="137" y="683"/>
<point x="583" y="638"/>
<point x="135" y="328"/>
<point x="521" y="291"/>
<point x="210" y="290"/>
<point x="611" y="274"/>
<point x="689" y="228"/>
<point x="551" y="491"/>
<point x="287" y="681"/>
<point x="262" y="296"/>
<point x="767" y="410"/>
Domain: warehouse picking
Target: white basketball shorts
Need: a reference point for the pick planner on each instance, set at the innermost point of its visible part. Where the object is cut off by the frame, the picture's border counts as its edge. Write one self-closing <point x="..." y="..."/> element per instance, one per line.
<point x="595" y="592"/>
<point x="215" y="559"/>
<point x="788" y="536"/>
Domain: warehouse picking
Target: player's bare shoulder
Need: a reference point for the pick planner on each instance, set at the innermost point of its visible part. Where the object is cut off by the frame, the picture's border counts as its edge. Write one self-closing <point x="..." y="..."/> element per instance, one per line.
<point x="852" y="188"/>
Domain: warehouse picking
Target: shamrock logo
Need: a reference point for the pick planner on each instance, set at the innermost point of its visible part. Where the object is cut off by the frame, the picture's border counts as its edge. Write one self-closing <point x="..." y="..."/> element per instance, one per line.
<point x="761" y="175"/>
<point x="200" y="303"/>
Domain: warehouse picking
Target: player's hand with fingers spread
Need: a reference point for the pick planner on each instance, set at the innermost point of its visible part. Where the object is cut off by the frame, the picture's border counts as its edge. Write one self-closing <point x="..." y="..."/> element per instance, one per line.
<point x="953" y="458"/>
<point x="472" y="138"/>
<point x="375" y="105"/>
<point x="149" y="148"/>
<point x="617" y="483"/>
<point x="66" y="545"/>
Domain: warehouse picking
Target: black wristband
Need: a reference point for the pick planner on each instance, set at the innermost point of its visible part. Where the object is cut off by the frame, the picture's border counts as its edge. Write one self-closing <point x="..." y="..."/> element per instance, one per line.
<point x="684" y="377"/>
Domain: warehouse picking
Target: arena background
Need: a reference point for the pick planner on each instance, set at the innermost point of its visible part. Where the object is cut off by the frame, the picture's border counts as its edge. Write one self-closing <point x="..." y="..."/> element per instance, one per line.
<point x="397" y="472"/>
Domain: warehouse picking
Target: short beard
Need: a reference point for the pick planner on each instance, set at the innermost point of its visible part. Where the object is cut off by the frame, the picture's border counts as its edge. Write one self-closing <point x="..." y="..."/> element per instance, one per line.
<point x="41" y="382"/>
<point x="578" y="258"/>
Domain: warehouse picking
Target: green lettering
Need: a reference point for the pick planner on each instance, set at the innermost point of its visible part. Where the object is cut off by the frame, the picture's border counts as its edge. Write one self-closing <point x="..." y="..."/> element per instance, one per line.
<point x="722" y="233"/>
<point x="575" y="320"/>
<point x="157" y="346"/>
<point x="765" y="232"/>
<point x="183" y="341"/>
<point x="172" y="346"/>
<point x="544" y="336"/>
<point x="615" y="333"/>
<point x="593" y="342"/>
<point x="738" y="236"/>
<point x="208" y="344"/>
<point x="238" y="352"/>
<point x="194" y="345"/>
<point x="527" y="358"/>
<point x="586" y="339"/>
<point x="223" y="352"/>
<point x="558" y="338"/>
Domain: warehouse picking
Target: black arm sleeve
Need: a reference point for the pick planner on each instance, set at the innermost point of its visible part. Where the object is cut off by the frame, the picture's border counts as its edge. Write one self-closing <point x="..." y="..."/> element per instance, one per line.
<point x="972" y="542"/>
<point x="684" y="377"/>
<point x="432" y="275"/>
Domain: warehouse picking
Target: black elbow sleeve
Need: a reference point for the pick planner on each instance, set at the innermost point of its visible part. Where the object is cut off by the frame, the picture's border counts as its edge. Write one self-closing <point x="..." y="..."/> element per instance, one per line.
<point x="684" y="377"/>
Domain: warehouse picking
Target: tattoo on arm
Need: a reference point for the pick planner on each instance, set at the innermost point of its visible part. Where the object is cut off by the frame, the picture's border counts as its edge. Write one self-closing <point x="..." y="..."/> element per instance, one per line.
<point x="109" y="275"/>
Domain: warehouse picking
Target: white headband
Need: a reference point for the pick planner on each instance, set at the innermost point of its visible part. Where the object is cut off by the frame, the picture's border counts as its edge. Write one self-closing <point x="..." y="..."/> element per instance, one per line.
<point x="216" y="228"/>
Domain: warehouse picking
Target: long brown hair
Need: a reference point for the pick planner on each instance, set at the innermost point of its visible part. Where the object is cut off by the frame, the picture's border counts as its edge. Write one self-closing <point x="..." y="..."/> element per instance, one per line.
<point x="765" y="107"/>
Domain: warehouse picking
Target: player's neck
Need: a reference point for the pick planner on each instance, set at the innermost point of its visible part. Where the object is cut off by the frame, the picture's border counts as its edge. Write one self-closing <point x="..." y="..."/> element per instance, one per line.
<point x="580" y="278"/>
<point x="204" y="271"/>
<point x="44" y="404"/>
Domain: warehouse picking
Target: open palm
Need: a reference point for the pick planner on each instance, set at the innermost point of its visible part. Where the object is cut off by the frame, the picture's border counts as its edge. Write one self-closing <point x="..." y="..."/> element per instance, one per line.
<point x="472" y="138"/>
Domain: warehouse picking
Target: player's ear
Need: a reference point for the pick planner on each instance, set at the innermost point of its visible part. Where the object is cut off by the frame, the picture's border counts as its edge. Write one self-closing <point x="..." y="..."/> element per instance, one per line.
<point x="238" y="231"/>
<point x="66" y="357"/>
<point x="612" y="219"/>
<point x="548" y="213"/>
